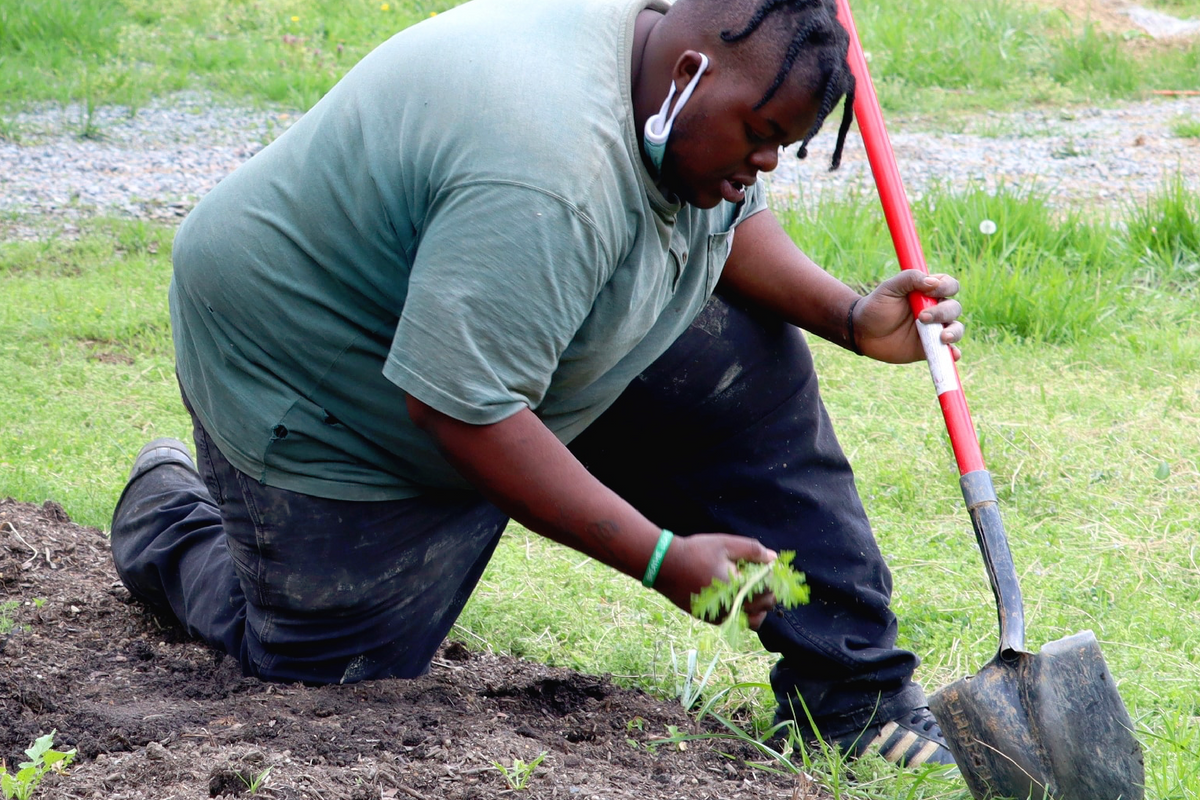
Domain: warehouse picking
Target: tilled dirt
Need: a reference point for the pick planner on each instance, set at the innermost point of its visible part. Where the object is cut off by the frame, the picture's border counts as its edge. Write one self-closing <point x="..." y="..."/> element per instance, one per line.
<point x="155" y="716"/>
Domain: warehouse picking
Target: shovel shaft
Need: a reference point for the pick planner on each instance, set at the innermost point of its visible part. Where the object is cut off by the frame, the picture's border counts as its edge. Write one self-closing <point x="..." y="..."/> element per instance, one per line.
<point x="976" y="482"/>
<point x="908" y="250"/>
<point x="997" y="559"/>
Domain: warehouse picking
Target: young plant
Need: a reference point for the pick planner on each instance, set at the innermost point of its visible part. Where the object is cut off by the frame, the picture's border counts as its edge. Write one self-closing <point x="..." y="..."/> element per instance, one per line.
<point x="42" y="759"/>
<point x="518" y="777"/>
<point x="689" y="686"/>
<point x="7" y="623"/>
<point x="724" y="600"/>
<point x="255" y="782"/>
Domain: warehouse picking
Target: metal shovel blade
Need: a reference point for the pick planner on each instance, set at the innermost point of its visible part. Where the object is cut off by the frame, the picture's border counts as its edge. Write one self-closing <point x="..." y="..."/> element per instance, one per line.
<point x="1045" y="725"/>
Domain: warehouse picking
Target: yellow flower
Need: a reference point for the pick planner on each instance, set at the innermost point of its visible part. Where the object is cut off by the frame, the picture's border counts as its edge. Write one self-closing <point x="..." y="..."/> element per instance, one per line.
<point x="385" y="7"/>
<point x="432" y="14"/>
<point x="295" y="19"/>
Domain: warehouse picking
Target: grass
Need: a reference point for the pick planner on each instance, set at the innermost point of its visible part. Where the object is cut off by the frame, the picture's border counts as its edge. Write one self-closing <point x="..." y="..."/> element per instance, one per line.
<point x="930" y="55"/>
<point x="1057" y="276"/>
<point x="1088" y="422"/>
<point x="1186" y="128"/>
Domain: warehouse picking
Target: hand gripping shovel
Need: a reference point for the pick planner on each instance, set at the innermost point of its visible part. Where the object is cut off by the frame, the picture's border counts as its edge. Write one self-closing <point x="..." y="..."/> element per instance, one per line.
<point x="1045" y="725"/>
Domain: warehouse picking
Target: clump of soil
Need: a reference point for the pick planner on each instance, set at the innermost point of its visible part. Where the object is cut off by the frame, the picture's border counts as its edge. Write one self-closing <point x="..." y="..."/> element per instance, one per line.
<point x="154" y="715"/>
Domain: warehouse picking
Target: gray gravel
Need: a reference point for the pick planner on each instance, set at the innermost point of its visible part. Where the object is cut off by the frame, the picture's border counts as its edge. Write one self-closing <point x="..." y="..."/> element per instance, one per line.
<point x="156" y="163"/>
<point x="1096" y="158"/>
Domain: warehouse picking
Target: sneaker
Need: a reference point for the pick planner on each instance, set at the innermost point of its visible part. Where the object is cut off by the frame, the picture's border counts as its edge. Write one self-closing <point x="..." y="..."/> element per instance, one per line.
<point x="907" y="741"/>
<point x="158" y="452"/>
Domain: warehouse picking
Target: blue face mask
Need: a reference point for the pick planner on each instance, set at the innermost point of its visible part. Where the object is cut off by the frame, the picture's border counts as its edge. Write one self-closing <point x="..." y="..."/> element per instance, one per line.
<point x="658" y="127"/>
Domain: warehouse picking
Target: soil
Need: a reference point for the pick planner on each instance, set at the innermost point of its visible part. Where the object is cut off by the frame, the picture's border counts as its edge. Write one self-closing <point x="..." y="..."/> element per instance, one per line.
<point x="154" y="715"/>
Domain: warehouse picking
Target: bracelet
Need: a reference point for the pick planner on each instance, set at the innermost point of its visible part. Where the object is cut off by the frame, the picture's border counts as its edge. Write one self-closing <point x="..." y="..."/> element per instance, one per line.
<point x="850" y="329"/>
<point x="656" y="558"/>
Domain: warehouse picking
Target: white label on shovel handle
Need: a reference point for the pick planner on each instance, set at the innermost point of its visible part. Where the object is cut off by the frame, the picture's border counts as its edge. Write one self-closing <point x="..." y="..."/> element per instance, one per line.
<point x="941" y="363"/>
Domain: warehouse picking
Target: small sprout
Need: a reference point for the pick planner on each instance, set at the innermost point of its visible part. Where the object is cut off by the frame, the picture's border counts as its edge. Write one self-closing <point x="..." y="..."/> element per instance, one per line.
<point x="987" y="227"/>
<point x="7" y="623"/>
<point x="518" y="777"/>
<point x="42" y="759"/>
<point x="676" y="737"/>
<point x="254" y="782"/>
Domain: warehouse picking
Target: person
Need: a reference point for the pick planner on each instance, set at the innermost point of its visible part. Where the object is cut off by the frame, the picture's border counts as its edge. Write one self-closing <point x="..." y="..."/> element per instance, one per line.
<point x="517" y="264"/>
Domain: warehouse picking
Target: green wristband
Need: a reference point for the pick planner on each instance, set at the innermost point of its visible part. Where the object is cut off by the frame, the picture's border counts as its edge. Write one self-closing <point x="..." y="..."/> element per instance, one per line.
<point x="656" y="558"/>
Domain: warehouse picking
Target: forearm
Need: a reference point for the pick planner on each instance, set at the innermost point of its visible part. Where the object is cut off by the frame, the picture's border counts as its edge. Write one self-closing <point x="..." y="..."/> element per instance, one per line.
<point x="521" y="467"/>
<point x="767" y="268"/>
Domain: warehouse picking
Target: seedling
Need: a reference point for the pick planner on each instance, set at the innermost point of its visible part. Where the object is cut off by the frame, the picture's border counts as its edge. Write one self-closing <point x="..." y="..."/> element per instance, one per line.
<point x="688" y="686"/>
<point x="518" y="777"/>
<point x="255" y="782"/>
<point x="42" y="759"/>
<point x="724" y="600"/>
<point x="7" y="623"/>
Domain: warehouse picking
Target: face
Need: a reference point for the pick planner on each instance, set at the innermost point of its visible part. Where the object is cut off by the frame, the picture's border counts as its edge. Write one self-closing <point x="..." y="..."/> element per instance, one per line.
<point x="720" y="142"/>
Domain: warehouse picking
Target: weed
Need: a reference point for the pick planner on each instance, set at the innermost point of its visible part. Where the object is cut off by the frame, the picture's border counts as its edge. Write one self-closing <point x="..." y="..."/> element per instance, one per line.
<point x="1068" y="149"/>
<point x="254" y="782"/>
<point x="724" y="600"/>
<point x="519" y="775"/>
<point x="7" y="623"/>
<point x="1164" y="232"/>
<point x="1186" y="127"/>
<point x="688" y="688"/>
<point x="42" y="759"/>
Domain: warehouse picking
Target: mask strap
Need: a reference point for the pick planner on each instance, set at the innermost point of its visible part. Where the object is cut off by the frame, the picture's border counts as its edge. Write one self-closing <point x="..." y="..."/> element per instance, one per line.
<point x="658" y="127"/>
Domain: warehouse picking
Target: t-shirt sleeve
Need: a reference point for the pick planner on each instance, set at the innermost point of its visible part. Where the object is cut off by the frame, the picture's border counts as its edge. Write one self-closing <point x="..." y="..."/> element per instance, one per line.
<point x="503" y="277"/>
<point x="756" y="201"/>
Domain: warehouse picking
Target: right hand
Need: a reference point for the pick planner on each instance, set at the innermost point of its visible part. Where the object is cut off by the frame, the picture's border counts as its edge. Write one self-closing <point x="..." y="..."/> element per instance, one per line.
<point x="693" y="562"/>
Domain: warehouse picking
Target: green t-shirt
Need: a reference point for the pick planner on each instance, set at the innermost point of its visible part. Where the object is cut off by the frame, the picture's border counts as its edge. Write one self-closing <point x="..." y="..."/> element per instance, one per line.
<point x="465" y="218"/>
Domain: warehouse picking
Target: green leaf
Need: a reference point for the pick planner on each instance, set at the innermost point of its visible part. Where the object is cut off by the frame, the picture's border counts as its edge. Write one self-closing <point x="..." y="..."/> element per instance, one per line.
<point x="40" y="746"/>
<point x="1163" y="472"/>
<point x="720" y="597"/>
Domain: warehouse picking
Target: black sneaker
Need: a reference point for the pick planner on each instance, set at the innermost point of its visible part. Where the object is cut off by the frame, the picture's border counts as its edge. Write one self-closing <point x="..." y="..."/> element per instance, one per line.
<point x="161" y="451"/>
<point x="907" y="741"/>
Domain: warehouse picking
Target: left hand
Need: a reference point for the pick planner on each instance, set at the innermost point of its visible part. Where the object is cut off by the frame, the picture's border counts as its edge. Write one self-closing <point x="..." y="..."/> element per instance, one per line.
<point x="883" y="322"/>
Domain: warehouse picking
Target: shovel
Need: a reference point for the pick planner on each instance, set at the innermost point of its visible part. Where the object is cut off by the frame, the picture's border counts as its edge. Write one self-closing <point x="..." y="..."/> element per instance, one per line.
<point x="1044" y="725"/>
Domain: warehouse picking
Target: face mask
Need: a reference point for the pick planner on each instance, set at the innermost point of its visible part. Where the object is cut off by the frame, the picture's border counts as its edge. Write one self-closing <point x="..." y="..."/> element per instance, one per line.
<point x="658" y="127"/>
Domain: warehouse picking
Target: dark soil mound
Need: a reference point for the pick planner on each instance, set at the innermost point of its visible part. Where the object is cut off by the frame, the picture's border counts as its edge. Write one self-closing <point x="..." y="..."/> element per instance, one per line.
<point x="155" y="716"/>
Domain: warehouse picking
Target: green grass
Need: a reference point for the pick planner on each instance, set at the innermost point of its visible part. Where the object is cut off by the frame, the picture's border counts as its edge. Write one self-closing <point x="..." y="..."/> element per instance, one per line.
<point x="1186" y="128"/>
<point x="1044" y="274"/>
<point x="127" y="51"/>
<point x="927" y="55"/>
<point x="1087" y="420"/>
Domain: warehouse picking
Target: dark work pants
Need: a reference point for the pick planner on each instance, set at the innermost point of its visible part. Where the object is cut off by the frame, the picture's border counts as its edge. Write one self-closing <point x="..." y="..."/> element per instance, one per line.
<point x="726" y="432"/>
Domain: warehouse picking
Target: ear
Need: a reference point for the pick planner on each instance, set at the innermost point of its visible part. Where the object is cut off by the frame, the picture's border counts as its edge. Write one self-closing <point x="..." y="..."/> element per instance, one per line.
<point x="686" y="66"/>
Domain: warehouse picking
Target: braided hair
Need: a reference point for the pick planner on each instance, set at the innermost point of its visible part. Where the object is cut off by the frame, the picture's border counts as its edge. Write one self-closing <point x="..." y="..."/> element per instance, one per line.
<point x="816" y="33"/>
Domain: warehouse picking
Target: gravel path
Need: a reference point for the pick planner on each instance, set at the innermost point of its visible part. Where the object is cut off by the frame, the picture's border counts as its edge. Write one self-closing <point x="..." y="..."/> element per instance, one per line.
<point x="156" y="163"/>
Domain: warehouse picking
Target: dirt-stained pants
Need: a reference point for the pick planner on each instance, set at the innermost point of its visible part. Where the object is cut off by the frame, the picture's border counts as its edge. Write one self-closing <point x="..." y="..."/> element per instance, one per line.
<point x="725" y="432"/>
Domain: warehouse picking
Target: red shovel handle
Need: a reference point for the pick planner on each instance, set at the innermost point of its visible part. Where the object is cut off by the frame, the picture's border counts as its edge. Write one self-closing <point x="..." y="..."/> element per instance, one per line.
<point x="908" y="250"/>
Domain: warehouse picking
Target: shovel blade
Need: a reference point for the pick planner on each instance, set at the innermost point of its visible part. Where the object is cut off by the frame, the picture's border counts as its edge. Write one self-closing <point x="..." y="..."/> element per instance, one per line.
<point x="1050" y="725"/>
